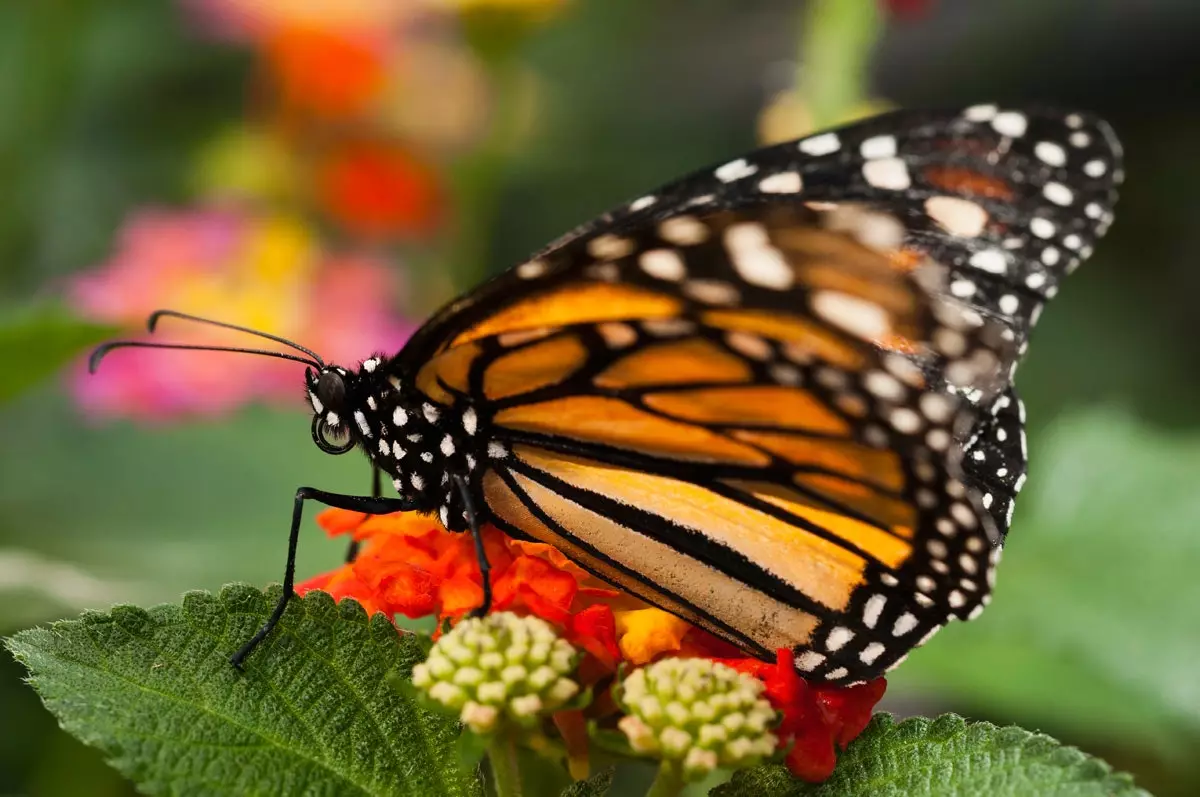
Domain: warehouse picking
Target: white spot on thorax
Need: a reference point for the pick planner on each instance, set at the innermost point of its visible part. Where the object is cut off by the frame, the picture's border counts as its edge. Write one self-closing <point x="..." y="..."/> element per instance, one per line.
<point x="370" y="365"/>
<point x="430" y="412"/>
<point x="470" y="420"/>
<point x="317" y="406"/>
<point x="332" y="418"/>
<point x="399" y="416"/>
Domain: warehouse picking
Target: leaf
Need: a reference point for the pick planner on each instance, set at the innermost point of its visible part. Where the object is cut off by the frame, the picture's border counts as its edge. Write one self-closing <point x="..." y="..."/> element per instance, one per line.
<point x="35" y="343"/>
<point x="941" y="756"/>
<point x="1093" y="626"/>
<point x="313" y="713"/>
<point x="595" y="786"/>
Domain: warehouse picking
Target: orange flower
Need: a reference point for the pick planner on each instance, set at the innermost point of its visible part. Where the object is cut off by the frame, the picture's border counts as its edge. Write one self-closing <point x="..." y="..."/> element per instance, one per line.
<point x="326" y="72"/>
<point x="377" y="189"/>
<point x="410" y="565"/>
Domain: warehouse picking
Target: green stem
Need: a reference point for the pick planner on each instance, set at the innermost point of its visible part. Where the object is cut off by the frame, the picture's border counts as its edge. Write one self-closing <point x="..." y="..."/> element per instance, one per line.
<point x="506" y="775"/>
<point x="835" y="46"/>
<point x="667" y="783"/>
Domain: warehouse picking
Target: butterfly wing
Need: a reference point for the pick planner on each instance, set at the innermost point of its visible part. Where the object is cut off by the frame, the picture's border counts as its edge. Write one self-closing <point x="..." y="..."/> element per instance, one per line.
<point x="1009" y="201"/>
<point x="745" y="397"/>
<point x="771" y="456"/>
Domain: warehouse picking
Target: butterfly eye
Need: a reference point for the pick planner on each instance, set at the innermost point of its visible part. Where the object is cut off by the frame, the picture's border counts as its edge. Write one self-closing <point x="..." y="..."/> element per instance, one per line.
<point x="328" y="440"/>
<point x="331" y="390"/>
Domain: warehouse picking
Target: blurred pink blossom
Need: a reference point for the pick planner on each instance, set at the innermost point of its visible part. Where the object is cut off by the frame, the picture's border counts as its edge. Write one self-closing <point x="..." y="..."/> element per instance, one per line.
<point x="263" y="271"/>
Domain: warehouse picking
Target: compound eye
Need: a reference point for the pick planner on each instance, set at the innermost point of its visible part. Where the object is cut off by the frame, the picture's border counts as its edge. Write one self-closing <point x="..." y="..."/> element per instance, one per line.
<point x="331" y="390"/>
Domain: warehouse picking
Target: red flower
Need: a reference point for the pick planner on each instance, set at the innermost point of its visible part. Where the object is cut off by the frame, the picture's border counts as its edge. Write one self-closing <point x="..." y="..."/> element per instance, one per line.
<point x="376" y="189"/>
<point x="410" y="565"/>
<point x="816" y="719"/>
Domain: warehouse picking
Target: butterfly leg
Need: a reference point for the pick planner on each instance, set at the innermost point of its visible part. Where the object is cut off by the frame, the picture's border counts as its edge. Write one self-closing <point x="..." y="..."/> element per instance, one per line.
<point x="376" y="492"/>
<point x="352" y="503"/>
<point x="485" y="568"/>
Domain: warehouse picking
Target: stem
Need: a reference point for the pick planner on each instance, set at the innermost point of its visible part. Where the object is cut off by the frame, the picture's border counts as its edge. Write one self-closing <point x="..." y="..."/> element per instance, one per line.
<point x="835" y="45"/>
<point x="506" y="775"/>
<point x="667" y="783"/>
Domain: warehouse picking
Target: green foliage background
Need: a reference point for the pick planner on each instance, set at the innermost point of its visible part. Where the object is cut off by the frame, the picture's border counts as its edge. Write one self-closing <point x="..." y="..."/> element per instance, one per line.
<point x="1095" y="629"/>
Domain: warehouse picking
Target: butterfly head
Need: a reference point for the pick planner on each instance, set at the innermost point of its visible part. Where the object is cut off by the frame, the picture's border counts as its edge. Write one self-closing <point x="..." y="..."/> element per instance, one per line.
<point x="336" y="395"/>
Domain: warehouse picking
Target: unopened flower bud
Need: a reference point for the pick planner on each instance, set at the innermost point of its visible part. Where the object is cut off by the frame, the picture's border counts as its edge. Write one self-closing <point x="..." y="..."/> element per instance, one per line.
<point x="697" y="715"/>
<point x="496" y="668"/>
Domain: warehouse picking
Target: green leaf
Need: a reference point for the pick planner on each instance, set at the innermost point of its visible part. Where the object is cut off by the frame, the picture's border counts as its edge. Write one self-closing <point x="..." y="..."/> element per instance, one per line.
<point x="34" y="343"/>
<point x="1093" y="626"/>
<point x="595" y="786"/>
<point x="944" y="756"/>
<point x="312" y="714"/>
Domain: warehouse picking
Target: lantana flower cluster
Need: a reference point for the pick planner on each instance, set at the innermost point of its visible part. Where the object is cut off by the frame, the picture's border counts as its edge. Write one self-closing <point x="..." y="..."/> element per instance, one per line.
<point x="409" y="565"/>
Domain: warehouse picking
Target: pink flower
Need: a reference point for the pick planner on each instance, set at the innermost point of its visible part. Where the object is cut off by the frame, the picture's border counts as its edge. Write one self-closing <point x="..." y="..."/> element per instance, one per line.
<point x="262" y="271"/>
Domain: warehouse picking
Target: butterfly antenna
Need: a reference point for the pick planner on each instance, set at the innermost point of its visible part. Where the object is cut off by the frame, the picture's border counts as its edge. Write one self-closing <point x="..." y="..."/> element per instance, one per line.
<point x="152" y="322"/>
<point x="103" y="349"/>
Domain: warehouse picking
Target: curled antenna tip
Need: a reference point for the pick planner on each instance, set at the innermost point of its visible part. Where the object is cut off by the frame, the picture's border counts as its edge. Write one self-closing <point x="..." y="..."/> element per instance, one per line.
<point x="97" y="355"/>
<point x="152" y="321"/>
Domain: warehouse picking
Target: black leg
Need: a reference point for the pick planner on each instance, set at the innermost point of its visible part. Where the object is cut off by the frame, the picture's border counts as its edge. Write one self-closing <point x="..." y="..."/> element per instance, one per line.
<point x="376" y="492"/>
<point x="353" y="503"/>
<point x="485" y="568"/>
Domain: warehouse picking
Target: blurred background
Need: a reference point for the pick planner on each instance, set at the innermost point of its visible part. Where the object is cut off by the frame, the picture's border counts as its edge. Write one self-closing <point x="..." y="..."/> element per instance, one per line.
<point x="333" y="171"/>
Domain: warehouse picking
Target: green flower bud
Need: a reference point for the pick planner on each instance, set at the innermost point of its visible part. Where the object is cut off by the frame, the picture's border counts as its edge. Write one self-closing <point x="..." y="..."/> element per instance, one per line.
<point x="697" y="715"/>
<point x="499" y="668"/>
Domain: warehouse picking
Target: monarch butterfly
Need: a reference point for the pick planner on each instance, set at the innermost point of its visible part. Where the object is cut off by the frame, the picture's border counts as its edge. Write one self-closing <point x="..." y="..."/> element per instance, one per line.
<point x="773" y="397"/>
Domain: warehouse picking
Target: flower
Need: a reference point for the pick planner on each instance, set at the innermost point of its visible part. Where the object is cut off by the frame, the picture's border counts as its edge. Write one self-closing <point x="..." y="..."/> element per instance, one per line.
<point x="329" y="73"/>
<point x="410" y="565"/>
<point x="817" y="720"/>
<point x="499" y="669"/>
<point x="263" y="271"/>
<point x="376" y="189"/>
<point x="697" y="715"/>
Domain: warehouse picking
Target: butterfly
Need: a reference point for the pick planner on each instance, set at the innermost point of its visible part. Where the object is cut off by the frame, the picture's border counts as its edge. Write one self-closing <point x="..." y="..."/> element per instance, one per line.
<point x="773" y="397"/>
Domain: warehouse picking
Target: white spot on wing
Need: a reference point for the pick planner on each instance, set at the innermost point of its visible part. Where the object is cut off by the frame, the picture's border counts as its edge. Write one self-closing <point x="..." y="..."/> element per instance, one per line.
<point x="735" y="170"/>
<point x="819" y="145"/>
<point x="958" y="216"/>
<point x="781" y="183"/>
<point x="888" y="173"/>
<point x="853" y="314"/>
<point x="755" y="259"/>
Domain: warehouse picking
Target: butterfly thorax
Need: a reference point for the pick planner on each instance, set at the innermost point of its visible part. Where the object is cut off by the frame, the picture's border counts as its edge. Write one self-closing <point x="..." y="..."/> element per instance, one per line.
<point x="420" y="445"/>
